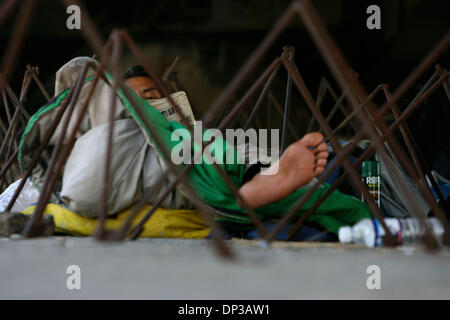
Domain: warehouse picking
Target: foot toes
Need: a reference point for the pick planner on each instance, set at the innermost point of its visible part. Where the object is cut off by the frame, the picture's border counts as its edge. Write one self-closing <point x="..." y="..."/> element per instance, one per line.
<point x="312" y="139"/>
<point x="321" y="147"/>
<point x="322" y="155"/>
<point x="318" y="170"/>
<point x="321" y="162"/>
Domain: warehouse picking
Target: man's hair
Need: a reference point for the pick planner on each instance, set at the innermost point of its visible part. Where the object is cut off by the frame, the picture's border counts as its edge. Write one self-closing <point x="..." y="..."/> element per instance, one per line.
<point x="134" y="71"/>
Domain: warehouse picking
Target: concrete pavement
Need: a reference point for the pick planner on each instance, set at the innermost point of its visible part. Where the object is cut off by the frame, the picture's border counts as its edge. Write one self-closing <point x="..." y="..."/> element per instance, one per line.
<point x="190" y="269"/>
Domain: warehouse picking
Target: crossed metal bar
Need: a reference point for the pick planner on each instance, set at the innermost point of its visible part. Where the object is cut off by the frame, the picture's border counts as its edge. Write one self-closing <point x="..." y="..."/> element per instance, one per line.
<point x="97" y="43"/>
<point x="366" y="112"/>
<point x="323" y="41"/>
<point x="422" y="96"/>
<point x="10" y="137"/>
<point x="324" y="87"/>
<point x="289" y="55"/>
<point x="336" y="62"/>
<point x="20" y="113"/>
<point x="387" y="231"/>
<point x="32" y="229"/>
<point x="40" y="207"/>
<point x="33" y="72"/>
<point x="18" y="34"/>
<point x="342" y="72"/>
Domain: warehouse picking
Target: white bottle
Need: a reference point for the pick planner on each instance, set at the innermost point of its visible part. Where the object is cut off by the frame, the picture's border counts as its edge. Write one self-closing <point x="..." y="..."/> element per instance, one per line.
<point x="369" y="232"/>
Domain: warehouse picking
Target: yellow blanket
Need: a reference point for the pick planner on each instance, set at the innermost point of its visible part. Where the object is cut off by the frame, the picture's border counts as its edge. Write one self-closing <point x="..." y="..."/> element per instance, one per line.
<point x="162" y="224"/>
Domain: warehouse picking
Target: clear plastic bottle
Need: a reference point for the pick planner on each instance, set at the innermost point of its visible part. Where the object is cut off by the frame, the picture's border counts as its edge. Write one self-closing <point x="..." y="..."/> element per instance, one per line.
<point x="369" y="232"/>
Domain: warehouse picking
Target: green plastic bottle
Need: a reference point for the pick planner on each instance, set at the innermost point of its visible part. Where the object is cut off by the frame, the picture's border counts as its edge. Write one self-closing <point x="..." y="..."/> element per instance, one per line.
<point x="370" y="174"/>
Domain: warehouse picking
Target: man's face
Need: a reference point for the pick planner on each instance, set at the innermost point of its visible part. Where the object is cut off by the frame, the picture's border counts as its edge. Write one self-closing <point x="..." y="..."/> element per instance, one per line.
<point x="144" y="87"/>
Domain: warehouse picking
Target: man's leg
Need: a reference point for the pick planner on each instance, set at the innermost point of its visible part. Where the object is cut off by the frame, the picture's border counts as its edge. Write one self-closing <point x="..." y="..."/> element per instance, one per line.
<point x="297" y="167"/>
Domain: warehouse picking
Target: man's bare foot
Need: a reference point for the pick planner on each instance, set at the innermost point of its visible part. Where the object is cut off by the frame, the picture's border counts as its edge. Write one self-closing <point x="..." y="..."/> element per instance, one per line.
<point x="297" y="167"/>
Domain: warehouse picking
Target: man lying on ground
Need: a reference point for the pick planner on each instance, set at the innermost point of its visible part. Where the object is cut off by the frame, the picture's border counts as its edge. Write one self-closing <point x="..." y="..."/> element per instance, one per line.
<point x="298" y="166"/>
<point x="136" y="161"/>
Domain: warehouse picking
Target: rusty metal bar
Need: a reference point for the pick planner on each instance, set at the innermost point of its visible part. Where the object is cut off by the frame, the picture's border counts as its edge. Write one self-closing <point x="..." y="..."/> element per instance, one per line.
<point x="383" y="111"/>
<point x="296" y="77"/>
<point x="340" y="69"/>
<point x="7" y="165"/>
<point x="135" y="48"/>
<point x="107" y="180"/>
<point x="367" y="153"/>
<point x="243" y="118"/>
<point x="345" y="78"/>
<point x="409" y="140"/>
<point x="319" y="99"/>
<point x="161" y="87"/>
<point x="225" y="123"/>
<point x="336" y="106"/>
<point x="94" y="38"/>
<point x="137" y="230"/>
<point x="24" y="116"/>
<point x="336" y="98"/>
<point x="6" y="105"/>
<point x="13" y="98"/>
<point x="277" y="106"/>
<point x="3" y="127"/>
<point x="258" y="121"/>
<point x="38" y="82"/>
<point x="228" y="181"/>
<point x="251" y="63"/>
<point x="296" y="206"/>
<point x="49" y="133"/>
<point x="12" y="139"/>
<point x="438" y="71"/>
<point x="16" y="40"/>
<point x="19" y="107"/>
<point x="66" y="149"/>
<point x="224" y="112"/>
<point x="419" y="160"/>
<point x="435" y="53"/>
<point x="11" y="129"/>
<point x="386" y="107"/>
<point x="10" y="175"/>
<point x="269" y="114"/>
<point x="6" y="8"/>
<point x="25" y="85"/>
<point x="397" y="153"/>
<point x="360" y="106"/>
<point x="288" y="52"/>
<point x="122" y="233"/>
<point x="33" y="226"/>
<point x="447" y="89"/>
<point x="169" y="70"/>
<point x="261" y="97"/>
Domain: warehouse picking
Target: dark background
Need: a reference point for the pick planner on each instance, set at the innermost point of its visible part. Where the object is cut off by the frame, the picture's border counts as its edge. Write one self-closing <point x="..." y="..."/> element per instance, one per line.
<point x="213" y="38"/>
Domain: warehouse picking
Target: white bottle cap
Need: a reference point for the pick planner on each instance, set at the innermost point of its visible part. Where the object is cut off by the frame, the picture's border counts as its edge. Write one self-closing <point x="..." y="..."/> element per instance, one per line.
<point x="345" y="234"/>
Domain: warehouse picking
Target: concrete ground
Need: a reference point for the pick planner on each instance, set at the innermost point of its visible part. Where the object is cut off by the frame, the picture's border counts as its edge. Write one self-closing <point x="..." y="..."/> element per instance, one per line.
<point x="190" y="269"/>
